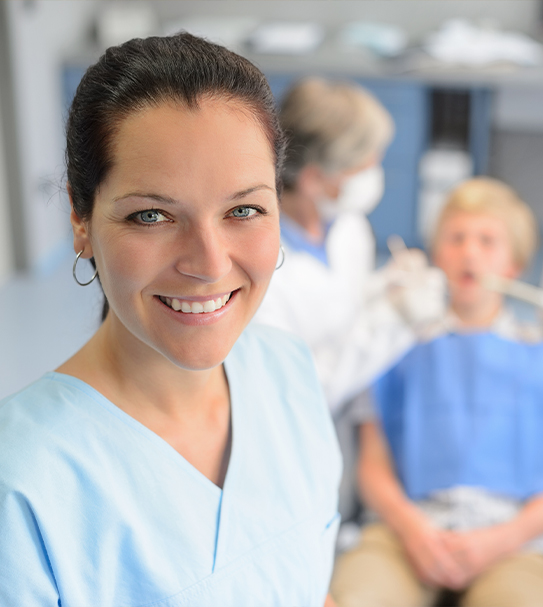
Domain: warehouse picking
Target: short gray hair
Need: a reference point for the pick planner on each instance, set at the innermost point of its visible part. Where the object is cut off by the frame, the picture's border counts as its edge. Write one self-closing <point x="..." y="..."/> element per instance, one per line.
<point x="335" y="125"/>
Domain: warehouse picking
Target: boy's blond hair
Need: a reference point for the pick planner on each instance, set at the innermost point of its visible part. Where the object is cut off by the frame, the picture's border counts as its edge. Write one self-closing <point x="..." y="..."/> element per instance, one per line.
<point x="491" y="196"/>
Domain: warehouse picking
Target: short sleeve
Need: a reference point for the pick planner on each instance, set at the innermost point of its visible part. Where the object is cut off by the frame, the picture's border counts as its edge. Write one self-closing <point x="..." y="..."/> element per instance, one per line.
<point x="26" y="578"/>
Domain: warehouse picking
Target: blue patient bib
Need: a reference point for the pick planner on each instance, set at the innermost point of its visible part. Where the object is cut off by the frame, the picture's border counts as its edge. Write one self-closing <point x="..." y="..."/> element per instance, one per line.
<point x="466" y="410"/>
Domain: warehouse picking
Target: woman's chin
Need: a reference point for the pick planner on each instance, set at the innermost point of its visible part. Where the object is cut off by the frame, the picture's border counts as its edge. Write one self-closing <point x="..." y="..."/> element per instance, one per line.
<point x="198" y="357"/>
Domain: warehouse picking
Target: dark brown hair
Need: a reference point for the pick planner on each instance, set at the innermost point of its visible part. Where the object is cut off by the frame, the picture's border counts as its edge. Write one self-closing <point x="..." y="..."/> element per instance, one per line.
<point x="148" y="72"/>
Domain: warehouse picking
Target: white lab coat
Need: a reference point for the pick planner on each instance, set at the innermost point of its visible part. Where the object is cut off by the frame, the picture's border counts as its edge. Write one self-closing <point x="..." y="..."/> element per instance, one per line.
<point x="339" y="310"/>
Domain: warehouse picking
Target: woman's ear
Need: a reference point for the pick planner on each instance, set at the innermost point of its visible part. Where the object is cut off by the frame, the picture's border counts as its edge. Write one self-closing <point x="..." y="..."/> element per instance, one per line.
<point x="80" y="229"/>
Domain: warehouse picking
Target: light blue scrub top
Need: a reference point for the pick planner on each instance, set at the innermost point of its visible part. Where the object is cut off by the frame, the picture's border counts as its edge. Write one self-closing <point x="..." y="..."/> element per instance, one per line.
<point x="466" y="410"/>
<point x="98" y="511"/>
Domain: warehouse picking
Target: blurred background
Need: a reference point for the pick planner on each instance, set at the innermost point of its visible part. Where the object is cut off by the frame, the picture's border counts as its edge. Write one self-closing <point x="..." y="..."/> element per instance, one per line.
<point x="463" y="80"/>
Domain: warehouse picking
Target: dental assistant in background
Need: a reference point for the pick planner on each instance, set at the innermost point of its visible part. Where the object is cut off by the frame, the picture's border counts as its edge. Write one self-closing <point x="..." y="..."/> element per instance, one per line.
<point x="327" y="291"/>
<point x="178" y="459"/>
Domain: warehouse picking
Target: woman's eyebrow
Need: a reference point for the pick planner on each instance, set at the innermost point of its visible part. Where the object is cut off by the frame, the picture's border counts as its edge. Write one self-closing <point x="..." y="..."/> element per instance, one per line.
<point x="248" y="191"/>
<point x="156" y="197"/>
<point x="167" y="200"/>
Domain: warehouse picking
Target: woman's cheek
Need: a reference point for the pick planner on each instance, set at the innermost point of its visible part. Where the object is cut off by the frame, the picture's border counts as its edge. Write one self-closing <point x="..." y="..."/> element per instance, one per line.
<point x="264" y="253"/>
<point x="126" y="264"/>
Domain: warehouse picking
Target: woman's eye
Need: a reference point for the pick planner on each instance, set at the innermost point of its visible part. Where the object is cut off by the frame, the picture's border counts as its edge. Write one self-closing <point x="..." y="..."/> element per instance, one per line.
<point x="150" y="216"/>
<point x="243" y="212"/>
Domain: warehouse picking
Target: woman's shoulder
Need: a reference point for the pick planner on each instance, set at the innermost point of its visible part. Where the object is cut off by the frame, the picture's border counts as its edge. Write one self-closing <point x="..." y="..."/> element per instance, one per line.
<point x="42" y="400"/>
<point x="48" y="409"/>
<point x="31" y="402"/>
<point x="277" y="368"/>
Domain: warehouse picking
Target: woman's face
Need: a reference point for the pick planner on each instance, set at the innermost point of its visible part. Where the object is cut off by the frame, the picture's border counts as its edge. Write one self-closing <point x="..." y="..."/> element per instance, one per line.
<point x="185" y="230"/>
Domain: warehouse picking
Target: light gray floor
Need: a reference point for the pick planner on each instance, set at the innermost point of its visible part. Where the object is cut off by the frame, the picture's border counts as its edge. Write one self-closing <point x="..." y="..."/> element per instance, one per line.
<point x="43" y="321"/>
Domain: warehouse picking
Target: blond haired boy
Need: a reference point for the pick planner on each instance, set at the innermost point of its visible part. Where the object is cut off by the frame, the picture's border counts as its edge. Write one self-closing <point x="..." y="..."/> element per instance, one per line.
<point x="453" y="465"/>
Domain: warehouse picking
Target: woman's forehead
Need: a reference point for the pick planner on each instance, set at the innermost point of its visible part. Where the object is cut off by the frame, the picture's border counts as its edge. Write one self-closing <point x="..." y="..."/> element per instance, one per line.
<point x="214" y="145"/>
<point x="214" y="122"/>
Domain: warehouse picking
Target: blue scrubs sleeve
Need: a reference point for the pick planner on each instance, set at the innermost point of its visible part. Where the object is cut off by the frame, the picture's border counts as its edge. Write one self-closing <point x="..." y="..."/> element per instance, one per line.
<point x="26" y="579"/>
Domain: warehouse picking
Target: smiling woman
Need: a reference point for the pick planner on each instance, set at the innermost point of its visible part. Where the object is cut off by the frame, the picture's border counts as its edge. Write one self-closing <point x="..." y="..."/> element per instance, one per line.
<point x="179" y="219"/>
<point x="178" y="458"/>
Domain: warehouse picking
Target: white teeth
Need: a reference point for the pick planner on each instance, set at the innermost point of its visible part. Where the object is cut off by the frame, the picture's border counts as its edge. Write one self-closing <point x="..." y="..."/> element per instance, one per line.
<point x="209" y="306"/>
<point x="196" y="307"/>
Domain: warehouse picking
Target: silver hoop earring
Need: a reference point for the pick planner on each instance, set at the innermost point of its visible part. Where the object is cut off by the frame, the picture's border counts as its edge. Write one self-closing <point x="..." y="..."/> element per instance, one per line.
<point x="82" y="284"/>
<point x="282" y="251"/>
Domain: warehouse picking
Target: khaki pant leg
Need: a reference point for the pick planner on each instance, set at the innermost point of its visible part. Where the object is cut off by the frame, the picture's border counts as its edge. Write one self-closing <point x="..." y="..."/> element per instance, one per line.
<point x="377" y="574"/>
<point x="514" y="582"/>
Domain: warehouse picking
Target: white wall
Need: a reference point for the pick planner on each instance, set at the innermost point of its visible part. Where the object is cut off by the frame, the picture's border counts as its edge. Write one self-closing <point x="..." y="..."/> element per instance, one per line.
<point x="42" y="33"/>
<point x="6" y="257"/>
<point x="417" y="17"/>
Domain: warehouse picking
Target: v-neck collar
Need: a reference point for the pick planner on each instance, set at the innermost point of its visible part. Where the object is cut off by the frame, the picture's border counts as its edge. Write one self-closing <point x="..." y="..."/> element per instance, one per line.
<point x="224" y="503"/>
<point x="152" y="436"/>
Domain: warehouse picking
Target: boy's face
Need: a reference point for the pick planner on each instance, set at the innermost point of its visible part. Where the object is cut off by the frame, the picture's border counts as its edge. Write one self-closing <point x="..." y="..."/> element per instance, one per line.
<point x="468" y="246"/>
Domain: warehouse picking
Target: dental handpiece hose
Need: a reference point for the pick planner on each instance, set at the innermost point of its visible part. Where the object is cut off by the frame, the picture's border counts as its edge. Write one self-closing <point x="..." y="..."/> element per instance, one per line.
<point x="514" y="288"/>
<point x="499" y="284"/>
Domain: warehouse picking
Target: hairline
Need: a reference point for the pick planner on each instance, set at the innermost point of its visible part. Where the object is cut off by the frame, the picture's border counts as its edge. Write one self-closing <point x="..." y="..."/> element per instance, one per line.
<point x="232" y="101"/>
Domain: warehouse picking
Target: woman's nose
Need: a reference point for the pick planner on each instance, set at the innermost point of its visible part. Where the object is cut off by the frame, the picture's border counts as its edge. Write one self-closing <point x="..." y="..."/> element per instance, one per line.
<point x="204" y="255"/>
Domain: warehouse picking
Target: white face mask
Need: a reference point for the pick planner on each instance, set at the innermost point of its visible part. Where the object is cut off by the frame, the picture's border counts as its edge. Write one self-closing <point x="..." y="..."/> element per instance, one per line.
<point x="361" y="193"/>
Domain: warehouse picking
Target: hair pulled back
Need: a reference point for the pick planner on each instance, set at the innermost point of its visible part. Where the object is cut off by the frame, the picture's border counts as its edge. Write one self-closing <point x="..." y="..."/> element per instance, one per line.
<point x="147" y="72"/>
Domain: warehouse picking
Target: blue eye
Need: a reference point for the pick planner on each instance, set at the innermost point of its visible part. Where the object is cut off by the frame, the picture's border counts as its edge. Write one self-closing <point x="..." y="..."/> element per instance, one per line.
<point x="243" y="212"/>
<point x="150" y="216"/>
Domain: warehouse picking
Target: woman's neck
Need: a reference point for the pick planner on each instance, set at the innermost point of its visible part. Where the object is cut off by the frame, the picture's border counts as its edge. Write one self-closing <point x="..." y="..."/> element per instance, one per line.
<point x="303" y="211"/>
<point x="190" y="410"/>
<point x="137" y="378"/>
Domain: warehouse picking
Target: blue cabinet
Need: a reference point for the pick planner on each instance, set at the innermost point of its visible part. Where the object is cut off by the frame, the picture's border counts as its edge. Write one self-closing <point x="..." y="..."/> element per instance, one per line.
<point x="397" y="212"/>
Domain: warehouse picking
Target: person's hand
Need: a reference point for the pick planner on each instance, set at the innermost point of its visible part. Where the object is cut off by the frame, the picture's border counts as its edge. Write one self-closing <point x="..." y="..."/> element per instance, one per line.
<point x="329" y="602"/>
<point x="417" y="290"/>
<point x="431" y="556"/>
<point x="476" y="550"/>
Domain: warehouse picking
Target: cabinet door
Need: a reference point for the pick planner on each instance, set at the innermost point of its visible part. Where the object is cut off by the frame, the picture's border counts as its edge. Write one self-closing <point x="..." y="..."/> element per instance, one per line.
<point x="397" y="213"/>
